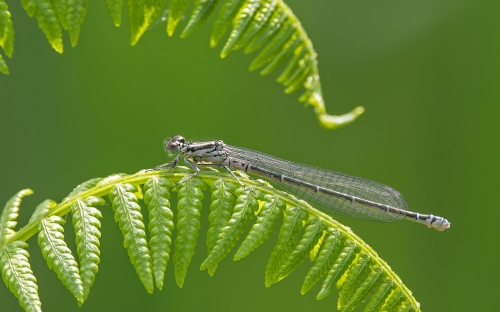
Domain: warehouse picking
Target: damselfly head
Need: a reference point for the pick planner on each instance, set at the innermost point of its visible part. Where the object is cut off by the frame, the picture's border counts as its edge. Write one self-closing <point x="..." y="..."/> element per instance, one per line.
<point x="174" y="144"/>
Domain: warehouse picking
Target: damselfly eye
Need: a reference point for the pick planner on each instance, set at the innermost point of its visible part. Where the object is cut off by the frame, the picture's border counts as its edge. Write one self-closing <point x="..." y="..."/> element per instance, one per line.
<point x="174" y="144"/>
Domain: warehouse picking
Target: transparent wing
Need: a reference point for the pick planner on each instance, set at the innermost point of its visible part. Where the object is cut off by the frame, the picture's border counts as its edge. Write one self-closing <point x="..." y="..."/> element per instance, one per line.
<point x="336" y="181"/>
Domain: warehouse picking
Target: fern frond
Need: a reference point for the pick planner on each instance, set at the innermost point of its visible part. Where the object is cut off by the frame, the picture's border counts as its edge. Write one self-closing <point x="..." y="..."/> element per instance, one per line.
<point x="287" y="239"/>
<point x="311" y="236"/>
<point x="202" y="9"/>
<point x="161" y="224"/>
<point x="221" y="209"/>
<point x="58" y="255"/>
<point x="325" y="260"/>
<point x="270" y="212"/>
<point x="355" y="268"/>
<point x="129" y="218"/>
<point x="339" y="267"/>
<point x="246" y="206"/>
<point x="6" y="30"/>
<point x="115" y="11"/>
<point x="48" y="21"/>
<point x="175" y="12"/>
<point x="18" y="276"/>
<point x="188" y="225"/>
<point x="10" y="212"/>
<point x="86" y="224"/>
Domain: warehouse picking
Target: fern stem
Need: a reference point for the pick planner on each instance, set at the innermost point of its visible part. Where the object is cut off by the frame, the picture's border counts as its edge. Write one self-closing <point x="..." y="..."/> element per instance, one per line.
<point x="209" y="177"/>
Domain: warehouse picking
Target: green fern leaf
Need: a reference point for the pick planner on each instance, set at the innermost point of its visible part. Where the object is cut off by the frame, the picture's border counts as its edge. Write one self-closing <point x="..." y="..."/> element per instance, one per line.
<point x="42" y="209"/>
<point x="226" y="14"/>
<point x="188" y="225"/>
<point x="10" y="212"/>
<point x="363" y="290"/>
<point x="282" y="55"/>
<point x="338" y="268"/>
<point x="241" y="21"/>
<point x="29" y="6"/>
<point x="325" y="260"/>
<point x="85" y="186"/>
<point x="48" y="22"/>
<point x="176" y="10"/>
<point x="6" y="30"/>
<point x="378" y="298"/>
<point x="129" y="218"/>
<point x="353" y="276"/>
<point x="18" y="276"/>
<point x="3" y="66"/>
<point x="274" y="47"/>
<point x="287" y="239"/>
<point x="61" y="7"/>
<point x="267" y="32"/>
<point x="58" y="255"/>
<point x="115" y="11"/>
<point x="317" y="247"/>
<point x="293" y="65"/>
<point x="311" y="236"/>
<point x="161" y="224"/>
<point x="86" y="224"/>
<point x="246" y="206"/>
<point x="261" y="17"/>
<point x="404" y="306"/>
<point x="202" y="9"/>
<point x="220" y="213"/>
<point x="261" y="230"/>
<point x="392" y="300"/>
<point x="76" y="13"/>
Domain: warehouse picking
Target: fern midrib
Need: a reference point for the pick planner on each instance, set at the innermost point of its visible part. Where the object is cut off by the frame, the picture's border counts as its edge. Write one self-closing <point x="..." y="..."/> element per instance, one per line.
<point x="208" y="175"/>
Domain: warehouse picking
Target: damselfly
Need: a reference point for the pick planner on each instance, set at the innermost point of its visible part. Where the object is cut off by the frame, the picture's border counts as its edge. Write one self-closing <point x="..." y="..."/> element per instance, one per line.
<point x="326" y="190"/>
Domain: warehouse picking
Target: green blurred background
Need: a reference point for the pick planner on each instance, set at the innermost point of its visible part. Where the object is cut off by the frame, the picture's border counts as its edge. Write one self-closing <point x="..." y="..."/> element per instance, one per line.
<point x="426" y="71"/>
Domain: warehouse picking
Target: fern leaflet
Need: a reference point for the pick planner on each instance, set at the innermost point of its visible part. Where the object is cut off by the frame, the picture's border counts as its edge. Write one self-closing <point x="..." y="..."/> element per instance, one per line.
<point x="129" y="218"/>
<point x="338" y="268"/>
<point x="188" y="225"/>
<point x="289" y="234"/>
<point x="86" y="224"/>
<point x="220" y="213"/>
<point x="261" y="230"/>
<point x="311" y="236"/>
<point x="18" y="276"/>
<point x="6" y="30"/>
<point x="58" y="255"/>
<point x="10" y="212"/>
<point x="246" y="206"/>
<point x="325" y="260"/>
<point x="161" y="224"/>
<point x="115" y="11"/>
